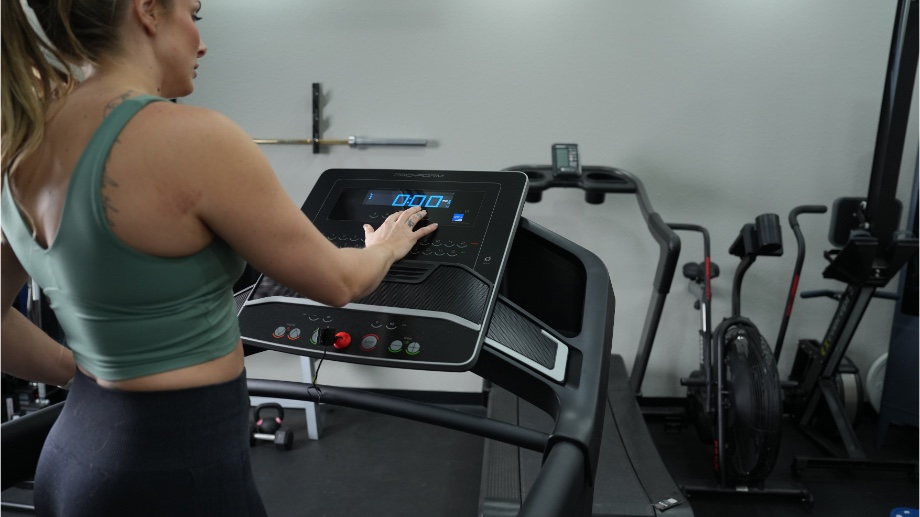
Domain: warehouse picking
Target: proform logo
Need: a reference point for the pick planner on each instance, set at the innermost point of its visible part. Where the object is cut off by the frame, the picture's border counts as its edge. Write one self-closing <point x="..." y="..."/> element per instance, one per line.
<point x="417" y="175"/>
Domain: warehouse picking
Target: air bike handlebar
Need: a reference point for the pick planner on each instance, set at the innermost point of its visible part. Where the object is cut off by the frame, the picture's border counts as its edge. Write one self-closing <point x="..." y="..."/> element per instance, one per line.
<point x="799" y="261"/>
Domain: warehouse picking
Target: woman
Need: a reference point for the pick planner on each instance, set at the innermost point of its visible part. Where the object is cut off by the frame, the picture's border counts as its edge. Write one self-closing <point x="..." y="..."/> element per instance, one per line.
<point x="135" y="216"/>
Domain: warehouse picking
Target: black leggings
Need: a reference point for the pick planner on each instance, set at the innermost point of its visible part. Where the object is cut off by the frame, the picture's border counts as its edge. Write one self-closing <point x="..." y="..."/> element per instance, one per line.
<point x="175" y="453"/>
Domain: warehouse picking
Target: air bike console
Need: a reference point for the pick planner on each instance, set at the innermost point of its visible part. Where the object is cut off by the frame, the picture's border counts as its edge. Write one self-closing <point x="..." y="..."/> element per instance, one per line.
<point x="487" y="292"/>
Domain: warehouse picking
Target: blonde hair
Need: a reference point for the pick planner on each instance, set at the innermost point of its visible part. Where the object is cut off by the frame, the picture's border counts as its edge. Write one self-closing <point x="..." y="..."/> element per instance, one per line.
<point x="35" y="70"/>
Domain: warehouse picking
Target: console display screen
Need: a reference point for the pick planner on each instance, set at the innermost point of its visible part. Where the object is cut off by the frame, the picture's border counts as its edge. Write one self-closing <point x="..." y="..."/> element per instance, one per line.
<point x="405" y="199"/>
<point x="373" y="205"/>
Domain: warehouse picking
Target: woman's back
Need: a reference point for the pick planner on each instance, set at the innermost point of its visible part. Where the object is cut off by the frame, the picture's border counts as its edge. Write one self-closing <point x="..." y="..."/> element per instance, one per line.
<point x="145" y="191"/>
<point x="126" y="313"/>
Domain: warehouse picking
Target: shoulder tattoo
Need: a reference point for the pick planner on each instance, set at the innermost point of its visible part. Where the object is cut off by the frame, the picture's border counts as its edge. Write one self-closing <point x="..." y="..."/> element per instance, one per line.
<point x="112" y="104"/>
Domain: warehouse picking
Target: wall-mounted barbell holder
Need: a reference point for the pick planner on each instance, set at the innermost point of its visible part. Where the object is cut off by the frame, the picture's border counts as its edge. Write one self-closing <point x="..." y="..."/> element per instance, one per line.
<point x="351" y="141"/>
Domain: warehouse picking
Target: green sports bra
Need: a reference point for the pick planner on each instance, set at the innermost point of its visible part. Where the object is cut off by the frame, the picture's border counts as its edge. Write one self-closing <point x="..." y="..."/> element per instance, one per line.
<point x="125" y="313"/>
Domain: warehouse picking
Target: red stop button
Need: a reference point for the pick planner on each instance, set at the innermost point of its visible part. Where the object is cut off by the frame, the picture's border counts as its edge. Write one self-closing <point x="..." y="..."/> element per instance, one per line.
<point x="342" y="340"/>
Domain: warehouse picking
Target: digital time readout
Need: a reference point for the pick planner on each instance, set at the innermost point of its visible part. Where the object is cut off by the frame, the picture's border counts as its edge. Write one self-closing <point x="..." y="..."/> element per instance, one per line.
<point x="408" y="198"/>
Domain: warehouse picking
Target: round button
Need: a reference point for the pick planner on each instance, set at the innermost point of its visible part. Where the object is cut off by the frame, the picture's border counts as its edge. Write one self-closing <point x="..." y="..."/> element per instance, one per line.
<point x="395" y="346"/>
<point x="294" y="334"/>
<point x="369" y="342"/>
<point x="413" y="348"/>
<point x="315" y="337"/>
<point x="279" y="332"/>
<point x="342" y="340"/>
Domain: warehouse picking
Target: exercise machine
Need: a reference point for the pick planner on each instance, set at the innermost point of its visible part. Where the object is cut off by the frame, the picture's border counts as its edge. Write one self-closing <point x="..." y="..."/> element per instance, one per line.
<point x="461" y="300"/>
<point x="847" y="380"/>
<point x="631" y="479"/>
<point x="873" y="252"/>
<point x="735" y="398"/>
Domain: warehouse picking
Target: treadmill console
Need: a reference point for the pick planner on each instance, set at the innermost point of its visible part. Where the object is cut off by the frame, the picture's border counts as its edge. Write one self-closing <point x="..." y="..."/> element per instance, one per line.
<point x="433" y="308"/>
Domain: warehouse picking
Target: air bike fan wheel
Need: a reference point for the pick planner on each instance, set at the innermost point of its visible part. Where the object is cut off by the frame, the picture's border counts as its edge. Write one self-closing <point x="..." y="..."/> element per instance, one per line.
<point x="753" y="410"/>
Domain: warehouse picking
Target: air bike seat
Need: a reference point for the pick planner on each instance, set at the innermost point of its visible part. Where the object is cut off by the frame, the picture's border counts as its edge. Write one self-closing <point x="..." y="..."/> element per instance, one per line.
<point x="462" y="301"/>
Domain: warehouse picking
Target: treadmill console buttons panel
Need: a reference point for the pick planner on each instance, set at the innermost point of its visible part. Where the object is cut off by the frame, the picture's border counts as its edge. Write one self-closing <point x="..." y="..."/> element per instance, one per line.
<point x="440" y="295"/>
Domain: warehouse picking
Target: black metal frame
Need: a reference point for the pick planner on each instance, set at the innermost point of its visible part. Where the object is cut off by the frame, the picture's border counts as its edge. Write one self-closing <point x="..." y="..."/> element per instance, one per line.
<point x="597" y="181"/>
<point x="872" y="256"/>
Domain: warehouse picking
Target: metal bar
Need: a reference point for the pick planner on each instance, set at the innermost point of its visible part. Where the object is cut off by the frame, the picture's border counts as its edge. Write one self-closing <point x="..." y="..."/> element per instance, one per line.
<point x="394" y="406"/>
<point x="850" y="310"/>
<point x="298" y="141"/>
<point x="720" y="406"/>
<point x="352" y="141"/>
<point x="842" y="342"/>
<point x="794" y="492"/>
<point x="893" y="123"/>
<point x="847" y="434"/>
<point x="317" y="116"/>
<point x="652" y="318"/>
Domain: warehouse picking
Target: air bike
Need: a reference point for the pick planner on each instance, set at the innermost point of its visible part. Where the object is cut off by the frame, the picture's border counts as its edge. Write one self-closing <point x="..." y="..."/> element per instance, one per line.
<point x="735" y="396"/>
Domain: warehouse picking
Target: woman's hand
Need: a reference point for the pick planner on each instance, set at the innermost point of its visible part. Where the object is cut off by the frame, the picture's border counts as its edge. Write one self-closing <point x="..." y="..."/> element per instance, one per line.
<point x="398" y="231"/>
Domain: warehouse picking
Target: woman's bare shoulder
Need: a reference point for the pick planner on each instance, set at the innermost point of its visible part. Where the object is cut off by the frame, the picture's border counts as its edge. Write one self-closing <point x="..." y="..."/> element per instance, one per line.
<point x="192" y="134"/>
<point x="184" y="119"/>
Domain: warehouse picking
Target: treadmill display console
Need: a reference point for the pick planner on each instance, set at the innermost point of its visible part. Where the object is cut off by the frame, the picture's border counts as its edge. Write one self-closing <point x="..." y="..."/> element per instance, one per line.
<point x="432" y="310"/>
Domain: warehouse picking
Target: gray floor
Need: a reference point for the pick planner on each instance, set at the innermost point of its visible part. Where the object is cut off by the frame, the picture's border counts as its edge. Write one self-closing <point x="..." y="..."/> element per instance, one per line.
<point x="369" y="464"/>
<point x="851" y="492"/>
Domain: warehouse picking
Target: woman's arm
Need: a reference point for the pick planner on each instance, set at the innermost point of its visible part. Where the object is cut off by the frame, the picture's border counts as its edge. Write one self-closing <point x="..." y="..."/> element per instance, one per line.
<point x="241" y="200"/>
<point x="27" y="352"/>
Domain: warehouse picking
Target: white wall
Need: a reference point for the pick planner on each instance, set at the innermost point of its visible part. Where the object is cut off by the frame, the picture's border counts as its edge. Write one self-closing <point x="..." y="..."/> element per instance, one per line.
<point x="725" y="110"/>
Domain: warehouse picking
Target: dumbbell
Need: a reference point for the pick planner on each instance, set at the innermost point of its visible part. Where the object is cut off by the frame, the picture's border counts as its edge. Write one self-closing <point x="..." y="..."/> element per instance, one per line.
<point x="269" y="428"/>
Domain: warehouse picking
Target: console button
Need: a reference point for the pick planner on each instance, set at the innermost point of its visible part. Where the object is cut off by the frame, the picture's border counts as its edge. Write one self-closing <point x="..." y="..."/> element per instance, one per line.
<point x="396" y="346"/>
<point x="279" y="332"/>
<point x="294" y="334"/>
<point x="413" y="348"/>
<point x="369" y="342"/>
<point x="342" y="340"/>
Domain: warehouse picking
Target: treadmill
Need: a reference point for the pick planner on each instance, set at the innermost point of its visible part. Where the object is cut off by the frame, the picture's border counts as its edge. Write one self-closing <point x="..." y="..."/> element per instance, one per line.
<point x="472" y="297"/>
<point x="631" y="480"/>
<point x="459" y="302"/>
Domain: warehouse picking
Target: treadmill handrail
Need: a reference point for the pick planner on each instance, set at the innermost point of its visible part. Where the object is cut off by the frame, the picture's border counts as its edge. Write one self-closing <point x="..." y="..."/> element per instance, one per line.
<point x="400" y="407"/>
<point x="624" y="182"/>
<point x="619" y="182"/>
